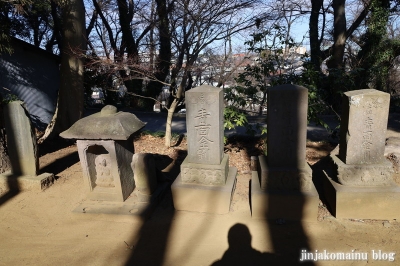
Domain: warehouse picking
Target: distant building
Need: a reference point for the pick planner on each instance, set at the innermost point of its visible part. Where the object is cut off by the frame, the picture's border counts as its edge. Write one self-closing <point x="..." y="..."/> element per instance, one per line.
<point x="298" y="50"/>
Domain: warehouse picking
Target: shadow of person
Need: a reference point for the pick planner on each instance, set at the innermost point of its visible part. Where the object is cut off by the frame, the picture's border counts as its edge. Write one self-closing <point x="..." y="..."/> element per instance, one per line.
<point x="240" y="251"/>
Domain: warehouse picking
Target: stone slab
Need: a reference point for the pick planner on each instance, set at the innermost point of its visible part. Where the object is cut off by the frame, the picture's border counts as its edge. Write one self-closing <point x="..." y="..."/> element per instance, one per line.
<point x="363" y="126"/>
<point x="287" y="126"/>
<point x="132" y="207"/>
<point x="352" y="202"/>
<point x="203" y="198"/>
<point x="21" y="140"/>
<point x="144" y="173"/>
<point x="26" y="182"/>
<point x="206" y="174"/>
<point x="363" y="174"/>
<point x="283" y="204"/>
<point x="204" y="124"/>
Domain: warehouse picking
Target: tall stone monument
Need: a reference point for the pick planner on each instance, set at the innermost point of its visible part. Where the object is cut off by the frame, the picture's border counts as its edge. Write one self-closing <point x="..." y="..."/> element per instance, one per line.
<point x="22" y="149"/>
<point x="283" y="187"/>
<point x="206" y="181"/>
<point x="359" y="177"/>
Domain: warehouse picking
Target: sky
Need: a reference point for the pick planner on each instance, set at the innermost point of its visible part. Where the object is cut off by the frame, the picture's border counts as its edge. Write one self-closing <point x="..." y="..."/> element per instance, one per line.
<point x="300" y="32"/>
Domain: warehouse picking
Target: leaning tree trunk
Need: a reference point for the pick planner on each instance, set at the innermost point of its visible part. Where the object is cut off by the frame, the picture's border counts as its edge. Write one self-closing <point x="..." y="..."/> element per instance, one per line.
<point x="5" y="163"/>
<point x="168" y="127"/>
<point x="71" y="93"/>
<point x="171" y="110"/>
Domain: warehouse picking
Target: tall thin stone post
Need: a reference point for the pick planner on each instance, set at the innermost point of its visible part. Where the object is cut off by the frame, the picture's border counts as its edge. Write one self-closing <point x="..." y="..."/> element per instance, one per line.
<point x="359" y="177"/>
<point x="22" y="148"/>
<point x="283" y="187"/>
<point x="206" y="181"/>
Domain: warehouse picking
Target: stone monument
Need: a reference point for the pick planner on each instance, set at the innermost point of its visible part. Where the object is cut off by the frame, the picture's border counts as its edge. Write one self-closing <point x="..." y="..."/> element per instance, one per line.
<point x="144" y="173"/>
<point x="283" y="186"/>
<point x="359" y="177"/>
<point x="206" y="181"/>
<point x="22" y="149"/>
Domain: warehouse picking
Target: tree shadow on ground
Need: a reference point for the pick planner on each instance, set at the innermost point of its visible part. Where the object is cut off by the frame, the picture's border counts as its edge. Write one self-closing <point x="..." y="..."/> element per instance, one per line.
<point x="13" y="189"/>
<point x="62" y="163"/>
<point x="52" y="145"/>
<point x="152" y="244"/>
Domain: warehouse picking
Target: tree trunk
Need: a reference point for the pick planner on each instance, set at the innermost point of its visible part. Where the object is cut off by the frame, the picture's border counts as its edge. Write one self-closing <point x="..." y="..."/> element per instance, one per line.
<point x="125" y="18"/>
<point x="339" y="34"/>
<point x="171" y="110"/>
<point x="71" y="93"/>
<point x="168" y="127"/>
<point x="163" y="61"/>
<point x="314" y="41"/>
<point x="5" y="163"/>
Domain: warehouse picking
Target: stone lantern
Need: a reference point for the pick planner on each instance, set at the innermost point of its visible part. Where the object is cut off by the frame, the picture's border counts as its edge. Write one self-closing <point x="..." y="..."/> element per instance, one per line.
<point x="105" y="147"/>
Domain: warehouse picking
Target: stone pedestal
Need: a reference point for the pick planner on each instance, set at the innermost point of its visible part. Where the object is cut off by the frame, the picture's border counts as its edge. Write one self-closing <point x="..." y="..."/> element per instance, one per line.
<point x="362" y="175"/>
<point x="205" y="174"/>
<point x="22" y="149"/>
<point x="39" y="182"/>
<point x="283" y="186"/>
<point x="357" y="202"/>
<point x="361" y="191"/>
<point x="206" y="182"/>
<point x="203" y="198"/>
<point x="289" y="193"/>
<point x="358" y="181"/>
<point x="134" y="207"/>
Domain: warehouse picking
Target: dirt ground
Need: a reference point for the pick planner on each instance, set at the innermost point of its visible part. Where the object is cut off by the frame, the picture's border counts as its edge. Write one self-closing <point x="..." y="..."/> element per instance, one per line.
<point x="39" y="228"/>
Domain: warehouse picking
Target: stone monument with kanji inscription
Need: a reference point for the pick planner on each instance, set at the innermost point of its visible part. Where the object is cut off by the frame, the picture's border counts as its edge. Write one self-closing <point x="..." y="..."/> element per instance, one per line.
<point x="359" y="178"/>
<point x="206" y="181"/>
